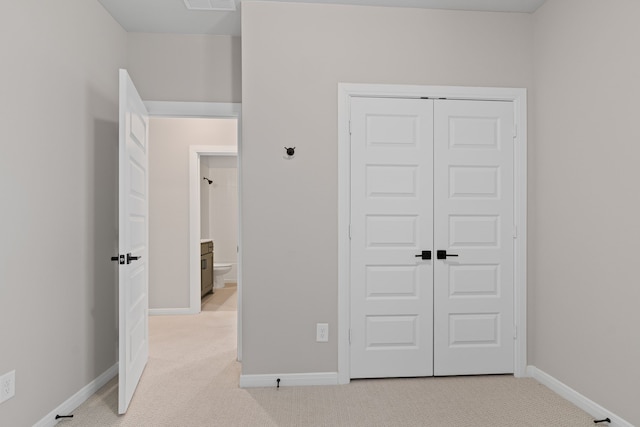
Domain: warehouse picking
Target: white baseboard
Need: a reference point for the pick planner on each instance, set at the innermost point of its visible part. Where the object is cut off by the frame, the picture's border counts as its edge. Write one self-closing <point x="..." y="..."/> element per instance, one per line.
<point x="270" y="380"/>
<point x="582" y="402"/>
<point x="69" y="405"/>
<point x="170" y="311"/>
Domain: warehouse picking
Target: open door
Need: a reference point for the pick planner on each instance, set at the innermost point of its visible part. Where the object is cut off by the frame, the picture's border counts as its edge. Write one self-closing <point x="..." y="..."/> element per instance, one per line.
<point x="133" y="244"/>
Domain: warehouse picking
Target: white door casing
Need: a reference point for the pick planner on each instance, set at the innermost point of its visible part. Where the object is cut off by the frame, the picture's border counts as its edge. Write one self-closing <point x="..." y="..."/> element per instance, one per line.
<point x="133" y="277"/>
<point x="474" y="189"/>
<point x="473" y="219"/>
<point x="392" y="200"/>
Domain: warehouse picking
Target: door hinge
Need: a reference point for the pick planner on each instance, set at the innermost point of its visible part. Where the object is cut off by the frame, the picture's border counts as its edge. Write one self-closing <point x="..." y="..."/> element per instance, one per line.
<point x="349" y="336"/>
<point x="349" y="231"/>
<point x="515" y="231"/>
<point x="515" y="131"/>
<point x="349" y="127"/>
<point x="515" y="332"/>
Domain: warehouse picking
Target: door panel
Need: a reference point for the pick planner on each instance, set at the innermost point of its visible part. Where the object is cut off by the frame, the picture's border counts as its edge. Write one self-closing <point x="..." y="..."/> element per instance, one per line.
<point x="133" y="238"/>
<point x="392" y="194"/>
<point x="473" y="231"/>
<point x="473" y="198"/>
<point x="474" y="182"/>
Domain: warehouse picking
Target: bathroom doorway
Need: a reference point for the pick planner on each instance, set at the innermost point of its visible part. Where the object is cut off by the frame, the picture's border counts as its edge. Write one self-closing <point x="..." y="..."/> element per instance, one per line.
<point x="214" y="217"/>
<point x="219" y="230"/>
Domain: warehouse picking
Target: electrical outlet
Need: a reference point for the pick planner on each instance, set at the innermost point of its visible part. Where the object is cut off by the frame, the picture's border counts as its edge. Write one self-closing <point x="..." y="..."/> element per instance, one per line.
<point x="322" y="332"/>
<point x="7" y="386"/>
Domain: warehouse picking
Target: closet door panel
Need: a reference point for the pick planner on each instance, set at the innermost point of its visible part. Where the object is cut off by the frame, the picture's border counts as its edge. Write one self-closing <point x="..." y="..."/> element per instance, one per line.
<point x="473" y="223"/>
<point x="391" y="222"/>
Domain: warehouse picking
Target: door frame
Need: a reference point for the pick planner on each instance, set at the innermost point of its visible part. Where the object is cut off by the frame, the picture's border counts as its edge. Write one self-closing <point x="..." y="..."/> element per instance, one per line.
<point x="518" y="96"/>
<point x="212" y="110"/>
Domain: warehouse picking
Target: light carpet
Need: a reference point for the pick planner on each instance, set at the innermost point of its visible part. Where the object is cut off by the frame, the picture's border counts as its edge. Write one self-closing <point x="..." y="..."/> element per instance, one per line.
<point x="192" y="380"/>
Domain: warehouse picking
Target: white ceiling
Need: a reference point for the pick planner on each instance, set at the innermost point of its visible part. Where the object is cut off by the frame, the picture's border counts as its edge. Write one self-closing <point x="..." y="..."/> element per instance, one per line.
<point x="171" y="16"/>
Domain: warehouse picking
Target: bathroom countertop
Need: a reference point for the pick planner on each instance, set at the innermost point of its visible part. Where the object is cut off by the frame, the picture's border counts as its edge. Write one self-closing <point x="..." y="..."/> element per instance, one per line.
<point x="206" y="240"/>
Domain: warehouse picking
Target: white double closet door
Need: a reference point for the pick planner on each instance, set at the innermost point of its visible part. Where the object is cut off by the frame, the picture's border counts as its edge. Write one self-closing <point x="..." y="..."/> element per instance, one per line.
<point x="431" y="175"/>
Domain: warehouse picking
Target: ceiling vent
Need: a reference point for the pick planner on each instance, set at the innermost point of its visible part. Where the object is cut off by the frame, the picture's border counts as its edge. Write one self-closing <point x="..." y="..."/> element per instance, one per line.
<point x="215" y="5"/>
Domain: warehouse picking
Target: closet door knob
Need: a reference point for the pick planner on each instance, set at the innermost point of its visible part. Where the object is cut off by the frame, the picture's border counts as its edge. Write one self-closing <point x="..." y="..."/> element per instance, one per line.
<point x="440" y="254"/>
<point x="424" y="255"/>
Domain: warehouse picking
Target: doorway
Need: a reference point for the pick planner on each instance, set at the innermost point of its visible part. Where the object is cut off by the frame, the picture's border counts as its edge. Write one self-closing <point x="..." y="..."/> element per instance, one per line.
<point x="196" y="155"/>
<point x="184" y="166"/>
<point x="219" y="217"/>
<point x="410" y="327"/>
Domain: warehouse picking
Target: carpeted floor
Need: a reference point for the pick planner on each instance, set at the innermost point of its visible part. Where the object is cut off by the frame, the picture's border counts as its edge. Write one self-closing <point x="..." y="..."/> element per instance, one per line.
<point x="192" y="380"/>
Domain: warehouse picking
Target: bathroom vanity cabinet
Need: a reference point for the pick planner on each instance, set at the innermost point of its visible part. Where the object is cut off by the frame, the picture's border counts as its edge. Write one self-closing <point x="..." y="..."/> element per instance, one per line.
<point x="206" y="267"/>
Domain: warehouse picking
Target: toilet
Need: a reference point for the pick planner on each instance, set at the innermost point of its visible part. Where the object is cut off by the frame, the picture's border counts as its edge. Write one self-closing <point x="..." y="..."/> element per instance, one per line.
<point x="219" y="270"/>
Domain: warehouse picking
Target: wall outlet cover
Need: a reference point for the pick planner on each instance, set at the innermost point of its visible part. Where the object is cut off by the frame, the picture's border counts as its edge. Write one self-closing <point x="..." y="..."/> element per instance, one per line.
<point x="322" y="332"/>
<point x="7" y="386"/>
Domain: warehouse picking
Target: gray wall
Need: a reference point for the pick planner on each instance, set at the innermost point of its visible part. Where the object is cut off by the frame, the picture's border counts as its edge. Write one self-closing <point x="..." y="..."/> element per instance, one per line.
<point x="205" y="218"/>
<point x="59" y="186"/>
<point x="179" y="67"/>
<point x="584" y="200"/>
<point x="293" y="57"/>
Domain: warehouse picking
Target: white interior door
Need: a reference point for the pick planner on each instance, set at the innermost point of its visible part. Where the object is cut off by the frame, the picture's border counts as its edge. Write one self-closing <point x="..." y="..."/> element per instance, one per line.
<point x="474" y="220"/>
<point x="426" y="176"/>
<point x="391" y="222"/>
<point x="133" y="241"/>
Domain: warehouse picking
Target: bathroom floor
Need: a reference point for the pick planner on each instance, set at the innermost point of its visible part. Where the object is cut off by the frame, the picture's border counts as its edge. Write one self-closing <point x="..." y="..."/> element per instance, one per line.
<point x="223" y="299"/>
